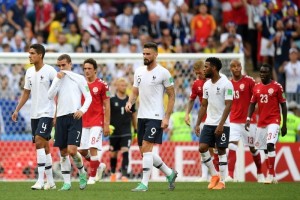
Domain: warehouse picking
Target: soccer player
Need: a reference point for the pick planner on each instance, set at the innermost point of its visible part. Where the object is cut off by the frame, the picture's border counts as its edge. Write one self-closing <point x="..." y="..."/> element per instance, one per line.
<point x="95" y="121"/>
<point x="69" y="88"/>
<point x="268" y="95"/>
<point x="38" y="79"/>
<point x="120" y="139"/>
<point x="243" y="87"/>
<point x="216" y="102"/>
<point x="150" y="81"/>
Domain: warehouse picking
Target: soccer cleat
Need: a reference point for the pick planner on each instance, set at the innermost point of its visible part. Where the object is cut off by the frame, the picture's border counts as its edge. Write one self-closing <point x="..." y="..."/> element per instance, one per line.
<point x="229" y="179"/>
<point x="201" y="180"/>
<point x="37" y="186"/>
<point x="140" y="188"/>
<point x="270" y="179"/>
<point x="65" y="187"/>
<point x="124" y="179"/>
<point x="49" y="187"/>
<point x="171" y="179"/>
<point x="213" y="182"/>
<point x="91" y="181"/>
<point x="100" y="171"/>
<point x="219" y="186"/>
<point x="113" y="178"/>
<point x="260" y="178"/>
<point x="82" y="181"/>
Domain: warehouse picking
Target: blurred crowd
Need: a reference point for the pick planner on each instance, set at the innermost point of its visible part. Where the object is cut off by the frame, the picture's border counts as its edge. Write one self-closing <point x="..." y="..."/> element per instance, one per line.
<point x="263" y="30"/>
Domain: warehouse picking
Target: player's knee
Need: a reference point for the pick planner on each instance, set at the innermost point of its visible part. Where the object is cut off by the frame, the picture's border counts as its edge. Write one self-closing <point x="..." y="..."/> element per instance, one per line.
<point x="203" y="149"/>
<point x="270" y="147"/>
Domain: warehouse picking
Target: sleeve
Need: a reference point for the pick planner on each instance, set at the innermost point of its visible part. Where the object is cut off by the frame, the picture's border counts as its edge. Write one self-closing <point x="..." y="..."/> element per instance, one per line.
<point x="281" y="95"/>
<point x="27" y="83"/>
<point x="54" y="88"/>
<point x="52" y="74"/>
<point x="229" y="91"/>
<point x="136" y="80"/>
<point x="105" y="93"/>
<point x="205" y="90"/>
<point x="193" y="95"/>
<point x="168" y="79"/>
<point x="253" y="98"/>
<point x="84" y="88"/>
<point x="251" y="85"/>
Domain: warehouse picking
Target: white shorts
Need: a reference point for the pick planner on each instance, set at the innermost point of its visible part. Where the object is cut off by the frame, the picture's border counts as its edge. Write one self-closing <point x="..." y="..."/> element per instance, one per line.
<point x="265" y="135"/>
<point x="237" y="132"/>
<point x="91" y="138"/>
<point x="264" y="50"/>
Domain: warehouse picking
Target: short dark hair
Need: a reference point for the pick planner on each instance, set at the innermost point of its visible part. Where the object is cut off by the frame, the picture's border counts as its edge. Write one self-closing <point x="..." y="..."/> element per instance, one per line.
<point x="65" y="57"/>
<point x="150" y="45"/>
<point x="214" y="61"/>
<point x="40" y="49"/>
<point x="91" y="61"/>
<point x="267" y="66"/>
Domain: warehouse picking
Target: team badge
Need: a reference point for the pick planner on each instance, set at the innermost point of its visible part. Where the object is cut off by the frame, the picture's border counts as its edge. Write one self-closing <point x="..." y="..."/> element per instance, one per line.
<point x="270" y="91"/>
<point x="242" y="86"/>
<point x="199" y="88"/>
<point x="95" y="89"/>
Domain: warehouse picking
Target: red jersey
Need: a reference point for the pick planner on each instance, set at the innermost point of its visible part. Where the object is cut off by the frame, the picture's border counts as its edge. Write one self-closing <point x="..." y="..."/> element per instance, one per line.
<point x="95" y="114"/>
<point x="239" y="14"/>
<point x="197" y="90"/>
<point x="268" y="97"/>
<point x="241" y="99"/>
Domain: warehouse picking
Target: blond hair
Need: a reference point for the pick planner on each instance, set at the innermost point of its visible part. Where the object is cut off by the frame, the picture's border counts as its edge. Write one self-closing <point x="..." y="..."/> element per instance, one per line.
<point x="198" y="64"/>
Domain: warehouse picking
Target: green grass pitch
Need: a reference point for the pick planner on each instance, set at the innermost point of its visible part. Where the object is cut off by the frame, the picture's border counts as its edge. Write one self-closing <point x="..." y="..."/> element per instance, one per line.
<point x="157" y="190"/>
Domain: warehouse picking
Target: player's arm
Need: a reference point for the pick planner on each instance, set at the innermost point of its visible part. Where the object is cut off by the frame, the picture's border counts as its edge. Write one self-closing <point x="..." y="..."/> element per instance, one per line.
<point x="134" y="121"/>
<point x="55" y="85"/>
<point x="22" y="101"/>
<point x="284" y="117"/>
<point x="188" y="111"/>
<point x="171" y="101"/>
<point x="84" y="88"/>
<point x="201" y="114"/>
<point x="220" y="129"/>
<point x="249" y="115"/>
<point x="106" y="105"/>
<point x="132" y="99"/>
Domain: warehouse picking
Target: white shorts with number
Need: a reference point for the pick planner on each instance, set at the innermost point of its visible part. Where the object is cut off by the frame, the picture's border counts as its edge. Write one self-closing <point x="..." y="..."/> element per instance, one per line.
<point x="237" y="132"/>
<point x="265" y="135"/>
<point x="91" y="138"/>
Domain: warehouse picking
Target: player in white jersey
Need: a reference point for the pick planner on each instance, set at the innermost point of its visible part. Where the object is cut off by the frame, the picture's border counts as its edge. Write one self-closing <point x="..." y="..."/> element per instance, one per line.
<point x="216" y="103"/>
<point x="69" y="88"/>
<point x="150" y="81"/>
<point x="38" y="79"/>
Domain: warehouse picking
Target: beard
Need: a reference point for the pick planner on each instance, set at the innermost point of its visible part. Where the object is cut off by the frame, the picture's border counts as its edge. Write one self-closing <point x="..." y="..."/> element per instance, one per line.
<point x="147" y="62"/>
<point x="208" y="75"/>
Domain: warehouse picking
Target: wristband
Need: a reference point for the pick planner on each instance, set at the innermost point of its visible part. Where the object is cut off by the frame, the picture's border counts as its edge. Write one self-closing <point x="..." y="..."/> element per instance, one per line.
<point x="248" y="119"/>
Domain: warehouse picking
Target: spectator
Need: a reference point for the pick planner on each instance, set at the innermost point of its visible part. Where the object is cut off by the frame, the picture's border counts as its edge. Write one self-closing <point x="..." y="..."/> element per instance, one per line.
<point x="62" y="46"/>
<point x="86" y="44"/>
<point x="70" y="9"/>
<point x="231" y="45"/>
<point x="240" y="17"/>
<point x="16" y="16"/>
<point x="5" y="89"/>
<point x="124" y="46"/>
<point x="177" y="30"/>
<point x="124" y="21"/>
<point x="56" y="27"/>
<point x="141" y="19"/>
<point x="157" y="7"/>
<point x="211" y="46"/>
<point x="88" y="11"/>
<point x="73" y="37"/>
<point x="231" y="30"/>
<point x="156" y="27"/>
<point x="186" y="18"/>
<point x="17" y="44"/>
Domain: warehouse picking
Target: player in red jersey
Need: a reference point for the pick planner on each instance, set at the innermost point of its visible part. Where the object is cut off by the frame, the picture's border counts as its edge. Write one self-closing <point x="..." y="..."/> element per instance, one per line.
<point x="95" y="121"/>
<point x="268" y="95"/>
<point x="197" y="91"/>
<point x="243" y="87"/>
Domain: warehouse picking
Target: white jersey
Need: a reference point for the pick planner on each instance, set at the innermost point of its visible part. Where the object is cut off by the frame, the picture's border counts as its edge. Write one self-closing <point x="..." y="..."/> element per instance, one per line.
<point x="38" y="82"/>
<point x="216" y="94"/>
<point x="151" y="85"/>
<point x="69" y="91"/>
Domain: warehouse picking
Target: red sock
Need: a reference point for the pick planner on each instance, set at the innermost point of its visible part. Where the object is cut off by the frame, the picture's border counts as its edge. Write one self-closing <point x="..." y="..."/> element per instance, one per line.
<point x="94" y="164"/>
<point x="271" y="165"/>
<point x="267" y="164"/>
<point x="216" y="161"/>
<point x="231" y="162"/>
<point x="257" y="161"/>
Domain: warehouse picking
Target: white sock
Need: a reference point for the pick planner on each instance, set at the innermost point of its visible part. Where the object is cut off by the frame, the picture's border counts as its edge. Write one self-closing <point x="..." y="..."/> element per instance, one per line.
<point x="41" y="162"/>
<point x="204" y="170"/>
<point x="159" y="164"/>
<point x="223" y="167"/>
<point x="48" y="169"/>
<point x="66" y="169"/>
<point x="147" y="166"/>
<point x="207" y="160"/>
<point x="78" y="162"/>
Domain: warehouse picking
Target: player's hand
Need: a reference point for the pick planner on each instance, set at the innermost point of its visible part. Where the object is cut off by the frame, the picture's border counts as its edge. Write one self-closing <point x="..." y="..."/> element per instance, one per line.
<point x="54" y="122"/>
<point x="247" y="125"/>
<point x="164" y="123"/>
<point x="197" y="130"/>
<point x="128" y="107"/>
<point x="106" y="130"/>
<point x="14" y="116"/>
<point x="187" y="120"/>
<point x="219" y="130"/>
<point x="60" y="75"/>
<point x="283" y="130"/>
<point x="78" y="114"/>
